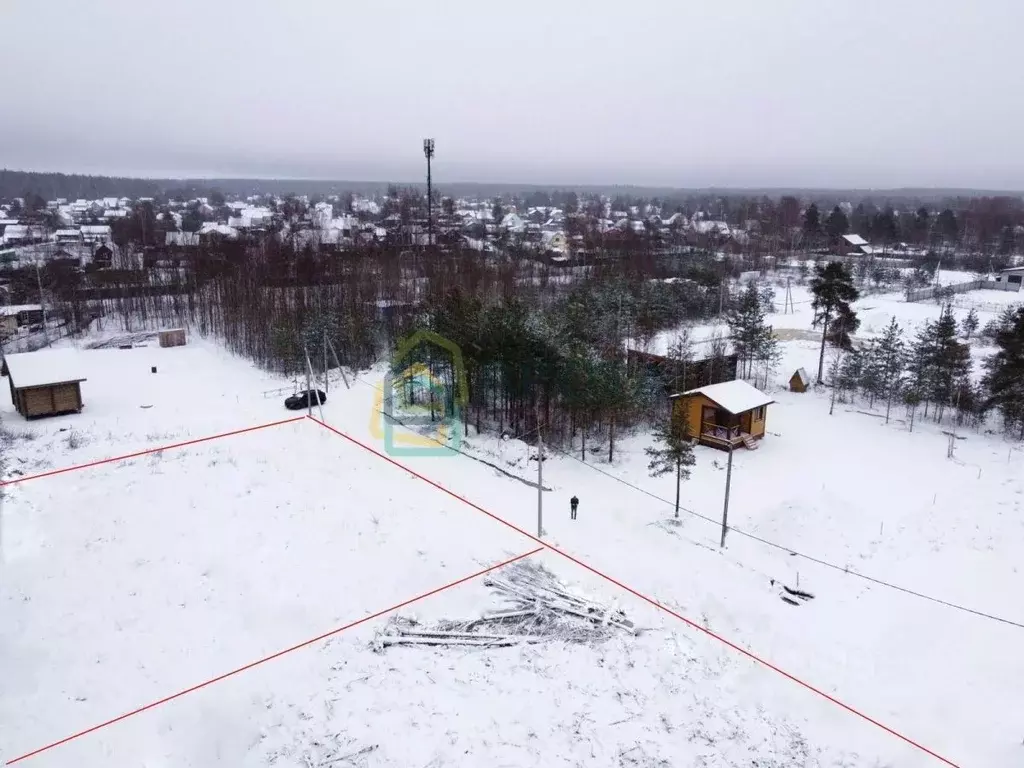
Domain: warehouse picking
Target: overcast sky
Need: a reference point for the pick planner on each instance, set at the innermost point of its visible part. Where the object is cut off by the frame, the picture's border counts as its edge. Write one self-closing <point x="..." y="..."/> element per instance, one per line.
<point x="678" y="92"/>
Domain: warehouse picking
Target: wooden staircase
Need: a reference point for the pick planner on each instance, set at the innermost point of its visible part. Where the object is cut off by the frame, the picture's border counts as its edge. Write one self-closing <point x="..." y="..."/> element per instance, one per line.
<point x="749" y="441"/>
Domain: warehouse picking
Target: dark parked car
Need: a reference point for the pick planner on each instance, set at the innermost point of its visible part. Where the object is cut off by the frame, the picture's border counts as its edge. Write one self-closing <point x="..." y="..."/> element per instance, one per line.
<point x="304" y="399"/>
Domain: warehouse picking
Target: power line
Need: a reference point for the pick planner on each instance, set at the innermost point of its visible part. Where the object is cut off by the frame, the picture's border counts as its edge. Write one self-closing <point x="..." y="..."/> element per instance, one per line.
<point x="755" y="537"/>
<point x="790" y="551"/>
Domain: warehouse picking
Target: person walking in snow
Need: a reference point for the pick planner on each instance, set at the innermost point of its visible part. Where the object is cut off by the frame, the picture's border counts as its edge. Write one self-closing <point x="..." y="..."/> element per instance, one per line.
<point x="573" y="503"/>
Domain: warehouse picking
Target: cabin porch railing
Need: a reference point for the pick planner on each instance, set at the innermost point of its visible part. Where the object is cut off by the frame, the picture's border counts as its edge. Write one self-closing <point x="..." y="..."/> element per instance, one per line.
<point x="721" y="433"/>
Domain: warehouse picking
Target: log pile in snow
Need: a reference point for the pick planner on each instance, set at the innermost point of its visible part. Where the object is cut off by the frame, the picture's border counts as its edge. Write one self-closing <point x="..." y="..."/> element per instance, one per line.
<point x="537" y="609"/>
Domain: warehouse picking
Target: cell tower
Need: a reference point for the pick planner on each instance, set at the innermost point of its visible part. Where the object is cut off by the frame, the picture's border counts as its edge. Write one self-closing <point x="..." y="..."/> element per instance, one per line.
<point x="428" y="152"/>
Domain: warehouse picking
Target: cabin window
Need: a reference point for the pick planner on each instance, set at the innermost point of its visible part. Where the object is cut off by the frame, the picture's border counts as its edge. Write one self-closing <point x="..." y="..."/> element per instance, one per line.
<point x="759" y="414"/>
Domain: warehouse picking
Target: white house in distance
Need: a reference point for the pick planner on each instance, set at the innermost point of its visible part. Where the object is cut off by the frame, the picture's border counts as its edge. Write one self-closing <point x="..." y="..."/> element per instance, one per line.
<point x="251" y="218"/>
<point x="322" y="215"/>
<point x="96" y="234"/>
<point x="513" y="223"/>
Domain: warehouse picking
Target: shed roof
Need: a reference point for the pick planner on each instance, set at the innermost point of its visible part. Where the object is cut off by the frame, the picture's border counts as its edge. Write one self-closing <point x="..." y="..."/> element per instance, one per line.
<point x="734" y="396"/>
<point x="801" y="374"/>
<point x="15" y="309"/>
<point x="855" y="240"/>
<point x="38" y="369"/>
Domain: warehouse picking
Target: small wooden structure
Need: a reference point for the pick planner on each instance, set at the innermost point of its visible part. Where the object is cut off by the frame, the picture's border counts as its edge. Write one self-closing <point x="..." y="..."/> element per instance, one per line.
<point x="799" y="381"/>
<point x="174" y="337"/>
<point x="723" y="415"/>
<point x="44" y="383"/>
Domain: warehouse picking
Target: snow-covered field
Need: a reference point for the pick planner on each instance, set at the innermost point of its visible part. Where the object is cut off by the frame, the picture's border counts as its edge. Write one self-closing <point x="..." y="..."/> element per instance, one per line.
<point x="127" y="582"/>
<point x="874" y="311"/>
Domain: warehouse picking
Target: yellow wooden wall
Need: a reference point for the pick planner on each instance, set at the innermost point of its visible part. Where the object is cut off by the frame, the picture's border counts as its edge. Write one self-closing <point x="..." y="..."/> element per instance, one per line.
<point x="757" y="425"/>
<point x="693" y="407"/>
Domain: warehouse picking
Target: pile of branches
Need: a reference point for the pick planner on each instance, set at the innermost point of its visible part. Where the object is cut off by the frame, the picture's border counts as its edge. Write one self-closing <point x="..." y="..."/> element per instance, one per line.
<point x="537" y="608"/>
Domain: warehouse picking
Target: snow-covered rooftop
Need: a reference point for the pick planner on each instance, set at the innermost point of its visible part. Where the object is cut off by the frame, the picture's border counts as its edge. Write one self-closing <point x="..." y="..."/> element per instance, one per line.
<point x="855" y="240"/>
<point x="14" y="309"/>
<point x="734" y="396"/>
<point x="52" y="366"/>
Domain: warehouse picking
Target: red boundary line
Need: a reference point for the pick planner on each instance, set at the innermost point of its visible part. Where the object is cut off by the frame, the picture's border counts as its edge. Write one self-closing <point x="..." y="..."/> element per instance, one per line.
<point x="148" y="451"/>
<point x="643" y="597"/>
<point x="279" y="654"/>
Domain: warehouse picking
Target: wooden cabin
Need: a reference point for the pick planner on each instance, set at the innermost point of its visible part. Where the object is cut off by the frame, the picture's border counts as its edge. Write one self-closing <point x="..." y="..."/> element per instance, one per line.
<point x="174" y="337"/>
<point x="44" y="383"/>
<point x="723" y="415"/>
<point x="799" y="381"/>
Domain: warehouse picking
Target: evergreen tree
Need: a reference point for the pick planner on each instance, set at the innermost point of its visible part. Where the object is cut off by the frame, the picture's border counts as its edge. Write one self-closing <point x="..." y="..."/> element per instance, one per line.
<point x="833" y="289"/>
<point x="812" y="220"/>
<point x="883" y="226"/>
<point x="891" y="363"/>
<point x="969" y="324"/>
<point x="1004" y="373"/>
<point x="871" y="383"/>
<point x="953" y="360"/>
<point x="948" y="225"/>
<point x="673" y="451"/>
<point x="679" y="356"/>
<point x="849" y="372"/>
<point x="748" y="329"/>
<point x="939" y="362"/>
<point x="769" y="354"/>
<point x="920" y="365"/>
<point x="766" y="294"/>
<point x="836" y="224"/>
<point x="921" y="224"/>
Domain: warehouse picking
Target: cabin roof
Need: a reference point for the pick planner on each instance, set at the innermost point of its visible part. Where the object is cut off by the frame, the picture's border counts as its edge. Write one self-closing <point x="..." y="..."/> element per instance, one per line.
<point x="734" y="396"/>
<point x="44" y="367"/>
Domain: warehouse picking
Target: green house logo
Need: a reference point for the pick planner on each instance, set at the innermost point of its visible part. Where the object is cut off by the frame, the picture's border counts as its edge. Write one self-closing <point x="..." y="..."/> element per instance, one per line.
<point x="428" y="398"/>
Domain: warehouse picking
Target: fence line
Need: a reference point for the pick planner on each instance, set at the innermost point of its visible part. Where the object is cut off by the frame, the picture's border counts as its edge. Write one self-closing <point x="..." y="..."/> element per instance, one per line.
<point x="972" y="285"/>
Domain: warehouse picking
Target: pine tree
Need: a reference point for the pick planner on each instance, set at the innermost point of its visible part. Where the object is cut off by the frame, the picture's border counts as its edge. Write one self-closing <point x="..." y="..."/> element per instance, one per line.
<point x="844" y="324"/>
<point x="673" y="451"/>
<point x="892" y="362"/>
<point x="952" y="362"/>
<point x="836" y="224"/>
<point x="969" y="324"/>
<point x="920" y="366"/>
<point x="747" y="327"/>
<point x="848" y="373"/>
<point x="871" y="373"/>
<point x="769" y="354"/>
<point x="679" y="356"/>
<point x="833" y="291"/>
<point x="812" y="220"/>
<point x="1004" y="373"/>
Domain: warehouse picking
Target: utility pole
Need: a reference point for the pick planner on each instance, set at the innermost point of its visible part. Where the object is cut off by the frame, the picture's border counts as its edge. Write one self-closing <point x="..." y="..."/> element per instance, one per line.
<point x="327" y="370"/>
<point x="310" y="392"/>
<point x="337" y="362"/>
<point x="725" y="510"/>
<point x="309" y="384"/>
<point x="540" y="479"/>
<point x="428" y="152"/>
<point x="42" y="303"/>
